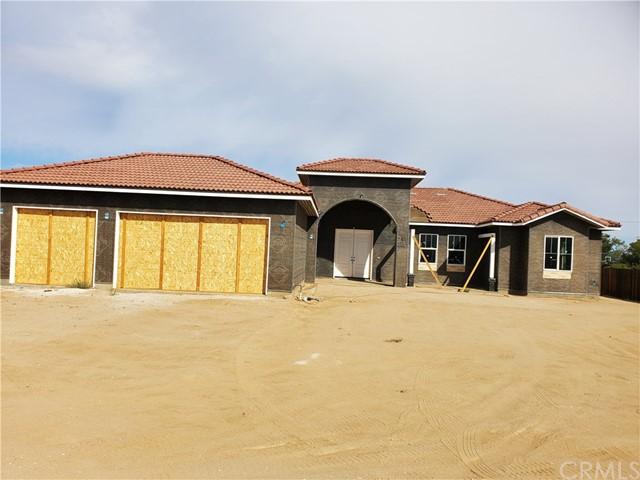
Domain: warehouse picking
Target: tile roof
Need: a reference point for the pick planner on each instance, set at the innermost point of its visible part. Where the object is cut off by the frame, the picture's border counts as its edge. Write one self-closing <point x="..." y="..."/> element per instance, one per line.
<point x="528" y="216"/>
<point x="360" y="165"/>
<point x="167" y="171"/>
<point x="450" y="205"/>
<point x="519" y="211"/>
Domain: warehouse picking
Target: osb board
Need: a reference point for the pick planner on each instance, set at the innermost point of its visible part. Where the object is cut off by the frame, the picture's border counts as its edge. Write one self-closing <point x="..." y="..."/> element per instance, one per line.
<point x="140" y="248"/>
<point x="253" y="247"/>
<point x="219" y="255"/>
<point x="72" y="239"/>
<point x="167" y="252"/>
<point x="32" y="246"/>
<point x="180" y="257"/>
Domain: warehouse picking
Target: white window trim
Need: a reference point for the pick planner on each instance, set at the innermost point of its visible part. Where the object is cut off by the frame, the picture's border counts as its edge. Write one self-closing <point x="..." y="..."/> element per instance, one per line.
<point x="457" y="250"/>
<point x="420" y="260"/>
<point x="544" y="253"/>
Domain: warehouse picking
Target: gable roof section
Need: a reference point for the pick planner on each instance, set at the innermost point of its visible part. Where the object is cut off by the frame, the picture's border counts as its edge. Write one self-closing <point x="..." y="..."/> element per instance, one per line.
<point x="527" y="216"/>
<point x="165" y="171"/>
<point x="452" y="206"/>
<point x="518" y="212"/>
<point x="360" y="165"/>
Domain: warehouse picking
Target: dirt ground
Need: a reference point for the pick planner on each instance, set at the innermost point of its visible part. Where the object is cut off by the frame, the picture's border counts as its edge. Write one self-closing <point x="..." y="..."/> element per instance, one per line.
<point x="371" y="382"/>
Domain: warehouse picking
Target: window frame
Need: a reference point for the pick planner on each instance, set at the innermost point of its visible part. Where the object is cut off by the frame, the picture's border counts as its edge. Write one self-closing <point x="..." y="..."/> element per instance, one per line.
<point x="420" y="260"/>
<point x="544" y="253"/>
<point x="464" y="263"/>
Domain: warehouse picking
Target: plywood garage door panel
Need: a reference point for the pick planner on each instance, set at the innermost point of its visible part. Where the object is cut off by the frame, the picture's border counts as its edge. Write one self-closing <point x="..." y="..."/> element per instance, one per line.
<point x="219" y="255"/>
<point x="32" y="246"/>
<point x="192" y="253"/>
<point x="252" y="247"/>
<point x="54" y="247"/>
<point x="180" y="253"/>
<point x="140" y="248"/>
<point x="72" y="237"/>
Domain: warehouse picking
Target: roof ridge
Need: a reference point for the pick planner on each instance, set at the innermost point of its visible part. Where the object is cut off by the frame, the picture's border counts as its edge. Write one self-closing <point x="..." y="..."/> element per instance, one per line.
<point x="417" y="207"/>
<point x="48" y="166"/>
<point x="479" y="196"/>
<point x="518" y="207"/>
<point x="337" y="159"/>
<point x="545" y="209"/>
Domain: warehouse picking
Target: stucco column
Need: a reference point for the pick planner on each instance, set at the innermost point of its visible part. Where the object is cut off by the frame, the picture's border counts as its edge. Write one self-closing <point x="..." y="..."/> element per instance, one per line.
<point x="312" y="248"/>
<point x="401" y="256"/>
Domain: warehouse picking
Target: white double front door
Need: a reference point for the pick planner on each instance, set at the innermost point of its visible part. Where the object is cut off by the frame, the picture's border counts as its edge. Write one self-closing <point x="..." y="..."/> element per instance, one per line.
<point x="352" y="253"/>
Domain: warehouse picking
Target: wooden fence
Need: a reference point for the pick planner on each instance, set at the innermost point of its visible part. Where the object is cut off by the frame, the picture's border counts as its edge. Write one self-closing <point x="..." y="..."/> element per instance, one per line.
<point x="621" y="283"/>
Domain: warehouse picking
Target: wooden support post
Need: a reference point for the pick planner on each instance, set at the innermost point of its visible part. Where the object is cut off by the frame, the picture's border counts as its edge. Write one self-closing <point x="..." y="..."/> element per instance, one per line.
<point x="266" y="259"/>
<point x="424" y="257"/>
<point x="161" y="280"/>
<point x="123" y="248"/>
<point x="238" y="255"/>
<point x="199" y="267"/>
<point x="464" y="288"/>
<point x="86" y="247"/>
<point x="49" y="250"/>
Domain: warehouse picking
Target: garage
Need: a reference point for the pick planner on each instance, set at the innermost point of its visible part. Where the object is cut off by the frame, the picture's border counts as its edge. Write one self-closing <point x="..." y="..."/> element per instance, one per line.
<point x="54" y="247"/>
<point x="191" y="253"/>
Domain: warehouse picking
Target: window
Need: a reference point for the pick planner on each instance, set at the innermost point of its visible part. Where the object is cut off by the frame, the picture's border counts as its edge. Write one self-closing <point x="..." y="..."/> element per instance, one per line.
<point x="428" y="246"/>
<point x="558" y="253"/>
<point x="456" y="249"/>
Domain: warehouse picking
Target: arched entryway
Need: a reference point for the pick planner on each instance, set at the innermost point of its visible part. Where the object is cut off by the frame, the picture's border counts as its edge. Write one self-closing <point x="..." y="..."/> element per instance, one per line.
<point x="357" y="239"/>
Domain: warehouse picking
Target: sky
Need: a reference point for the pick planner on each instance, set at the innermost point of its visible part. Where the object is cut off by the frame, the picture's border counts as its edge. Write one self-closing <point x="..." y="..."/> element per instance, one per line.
<point x="517" y="101"/>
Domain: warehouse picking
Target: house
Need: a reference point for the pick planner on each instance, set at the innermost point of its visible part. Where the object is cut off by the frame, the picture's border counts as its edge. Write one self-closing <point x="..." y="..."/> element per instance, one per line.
<point x="180" y="222"/>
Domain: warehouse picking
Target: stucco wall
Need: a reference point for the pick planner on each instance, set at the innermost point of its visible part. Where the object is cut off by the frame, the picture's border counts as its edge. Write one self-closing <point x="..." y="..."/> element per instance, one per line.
<point x="587" y="247"/>
<point x="361" y="215"/>
<point x="281" y="251"/>
<point x="512" y="257"/>
<point x="392" y="194"/>
<point x="299" y="246"/>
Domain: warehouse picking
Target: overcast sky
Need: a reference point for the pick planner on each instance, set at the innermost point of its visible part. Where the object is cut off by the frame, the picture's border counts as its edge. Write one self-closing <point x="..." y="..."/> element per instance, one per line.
<point x="519" y="101"/>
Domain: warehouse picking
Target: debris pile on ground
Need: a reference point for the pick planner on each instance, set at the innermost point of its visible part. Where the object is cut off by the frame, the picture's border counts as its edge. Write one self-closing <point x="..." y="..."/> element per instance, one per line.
<point x="305" y="297"/>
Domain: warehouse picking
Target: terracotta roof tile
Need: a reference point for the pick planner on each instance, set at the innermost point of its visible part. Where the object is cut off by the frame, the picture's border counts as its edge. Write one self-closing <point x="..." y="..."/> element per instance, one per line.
<point x="167" y="171"/>
<point x="360" y="165"/>
<point x="449" y="205"/>
<point x="546" y="209"/>
<point x="516" y="213"/>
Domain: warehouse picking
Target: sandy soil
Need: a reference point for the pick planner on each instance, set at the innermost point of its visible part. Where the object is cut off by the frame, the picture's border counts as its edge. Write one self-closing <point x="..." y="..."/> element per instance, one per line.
<point x="370" y="382"/>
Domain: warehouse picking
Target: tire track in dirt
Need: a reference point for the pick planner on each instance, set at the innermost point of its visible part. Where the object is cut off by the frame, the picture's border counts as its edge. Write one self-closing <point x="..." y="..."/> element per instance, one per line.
<point x="325" y="448"/>
<point x="462" y="440"/>
<point x="250" y="399"/>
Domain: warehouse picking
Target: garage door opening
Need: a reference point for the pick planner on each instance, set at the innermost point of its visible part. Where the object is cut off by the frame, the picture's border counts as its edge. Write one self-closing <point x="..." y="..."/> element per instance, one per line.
<point x="53" y="247"/>
<point x="192" y="253"/>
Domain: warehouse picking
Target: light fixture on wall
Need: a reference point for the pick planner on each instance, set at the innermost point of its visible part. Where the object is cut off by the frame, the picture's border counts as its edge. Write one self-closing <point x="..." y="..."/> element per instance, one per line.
<point x="106" y="215"/>
<point x="283" y="224"/>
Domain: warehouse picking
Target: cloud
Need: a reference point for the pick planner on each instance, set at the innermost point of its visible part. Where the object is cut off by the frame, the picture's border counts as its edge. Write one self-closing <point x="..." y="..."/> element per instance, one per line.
<point x="102" y="47"/>
<point x="521" y="101"/>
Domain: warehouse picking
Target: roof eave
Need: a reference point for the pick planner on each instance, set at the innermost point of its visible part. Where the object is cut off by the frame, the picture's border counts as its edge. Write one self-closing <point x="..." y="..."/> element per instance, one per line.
<point x="302" y="196"/>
